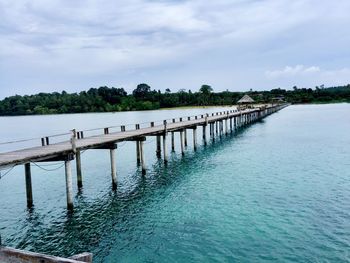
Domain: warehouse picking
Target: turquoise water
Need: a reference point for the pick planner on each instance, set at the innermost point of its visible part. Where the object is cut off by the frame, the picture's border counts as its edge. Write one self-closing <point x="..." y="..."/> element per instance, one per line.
<point x="278" y="191"/>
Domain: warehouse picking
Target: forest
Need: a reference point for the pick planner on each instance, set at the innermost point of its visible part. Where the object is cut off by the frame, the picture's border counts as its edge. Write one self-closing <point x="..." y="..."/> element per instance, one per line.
<point x="143" y="97"/>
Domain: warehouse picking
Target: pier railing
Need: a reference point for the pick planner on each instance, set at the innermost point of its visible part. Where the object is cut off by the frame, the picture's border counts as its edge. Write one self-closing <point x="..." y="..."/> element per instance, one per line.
<point x="46" y="140"/>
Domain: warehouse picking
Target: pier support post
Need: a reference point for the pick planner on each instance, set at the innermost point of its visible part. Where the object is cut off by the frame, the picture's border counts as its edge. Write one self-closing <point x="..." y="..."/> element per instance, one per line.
<point x="138" y="154"/>
<point x="216" y="127"/>
<point x="143" y="164"/>
<point x="182" y="142"/>
<point x="69" y="186"/>
<point x="226" y="127"/>
<point x="205" y="134"/>
<point x="221" y="128"/>
<point x="195" y="139"/>
<point x="158" y="151"/>
<point x="79" y="172"/>
<point x="29" y="190"/>
<point x="165" y="154"/>
<point x="113" y="169"/>
<point x="172" y="142"/>
<point x="185" y="137"/>
<point x="212" y="131"/>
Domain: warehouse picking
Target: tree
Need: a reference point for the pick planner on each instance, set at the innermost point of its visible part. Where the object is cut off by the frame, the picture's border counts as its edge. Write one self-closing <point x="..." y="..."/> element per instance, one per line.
<point x="206" y="89"/>
<point x="141" y="91"/>
<point x="143" y="98"/>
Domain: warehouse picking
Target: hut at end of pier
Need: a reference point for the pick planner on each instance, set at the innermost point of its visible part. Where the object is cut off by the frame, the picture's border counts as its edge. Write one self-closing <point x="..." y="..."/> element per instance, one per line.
<point x="245" y="102"/>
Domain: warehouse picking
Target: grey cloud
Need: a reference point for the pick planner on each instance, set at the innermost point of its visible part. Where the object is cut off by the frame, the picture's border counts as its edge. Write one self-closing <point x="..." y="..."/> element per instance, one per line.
<point x="231" y="44"/>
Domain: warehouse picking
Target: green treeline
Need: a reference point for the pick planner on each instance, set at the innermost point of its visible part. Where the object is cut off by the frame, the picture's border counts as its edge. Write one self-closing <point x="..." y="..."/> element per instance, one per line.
<point x="106" y="99"/>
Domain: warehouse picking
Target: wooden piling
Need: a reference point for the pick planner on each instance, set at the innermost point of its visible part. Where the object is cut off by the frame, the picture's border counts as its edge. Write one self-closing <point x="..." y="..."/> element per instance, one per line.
<point x="182" y="142"/>
<point x="158" y="151"/>
<point x="195" y="139"/>
<point x="138" y="154"/>
<point x="172" y="142"/>
<point x="185" y="137"/>
<point x="29" y="190"/>
<point x="205" y="134"/>
<point x="69" y="186"/>
<point x="165" y="154"/>
<point x="213" y="133"/>
<point x="142" y="158"/>
<point x="79" y="172"/>
<point x="220" y="128"/>
<point x="113" y="169"/>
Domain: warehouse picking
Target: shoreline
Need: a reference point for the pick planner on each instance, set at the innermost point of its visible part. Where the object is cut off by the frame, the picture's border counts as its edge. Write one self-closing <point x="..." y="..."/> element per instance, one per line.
<point x="167" y="108"/>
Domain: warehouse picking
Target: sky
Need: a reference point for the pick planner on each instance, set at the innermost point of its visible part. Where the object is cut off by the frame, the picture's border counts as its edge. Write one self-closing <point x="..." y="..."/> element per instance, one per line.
<point x="234" y="45"/>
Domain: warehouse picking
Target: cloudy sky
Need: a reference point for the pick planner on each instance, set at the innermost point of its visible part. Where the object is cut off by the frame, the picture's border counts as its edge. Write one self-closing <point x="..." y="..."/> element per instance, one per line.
<point x="230" y="44"/>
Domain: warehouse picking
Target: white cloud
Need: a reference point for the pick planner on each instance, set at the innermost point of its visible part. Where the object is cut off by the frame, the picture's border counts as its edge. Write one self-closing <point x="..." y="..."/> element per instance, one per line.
<point x="289" y="71"/>
<point x="308" y="76"/>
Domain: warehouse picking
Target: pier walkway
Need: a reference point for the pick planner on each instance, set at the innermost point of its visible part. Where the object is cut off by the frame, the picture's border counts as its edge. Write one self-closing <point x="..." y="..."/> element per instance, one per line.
<point x="219" y="123"/>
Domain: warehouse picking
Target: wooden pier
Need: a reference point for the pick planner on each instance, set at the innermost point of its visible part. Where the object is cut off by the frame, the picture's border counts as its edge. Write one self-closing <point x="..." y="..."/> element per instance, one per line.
<point x="219" y="124"/>
<point x="12" y="255"/>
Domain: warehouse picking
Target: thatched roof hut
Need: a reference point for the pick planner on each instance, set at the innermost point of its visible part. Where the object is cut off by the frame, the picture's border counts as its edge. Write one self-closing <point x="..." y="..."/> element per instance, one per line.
<point x="246" y="99"/>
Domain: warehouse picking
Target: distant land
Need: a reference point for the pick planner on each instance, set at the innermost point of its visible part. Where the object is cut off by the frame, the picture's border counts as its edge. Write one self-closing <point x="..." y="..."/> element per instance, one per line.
<point x="105" y="99"/>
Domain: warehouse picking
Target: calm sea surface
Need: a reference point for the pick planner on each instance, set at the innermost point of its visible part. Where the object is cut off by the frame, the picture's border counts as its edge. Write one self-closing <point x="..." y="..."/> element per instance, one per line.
<point x="278" y="191"/>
